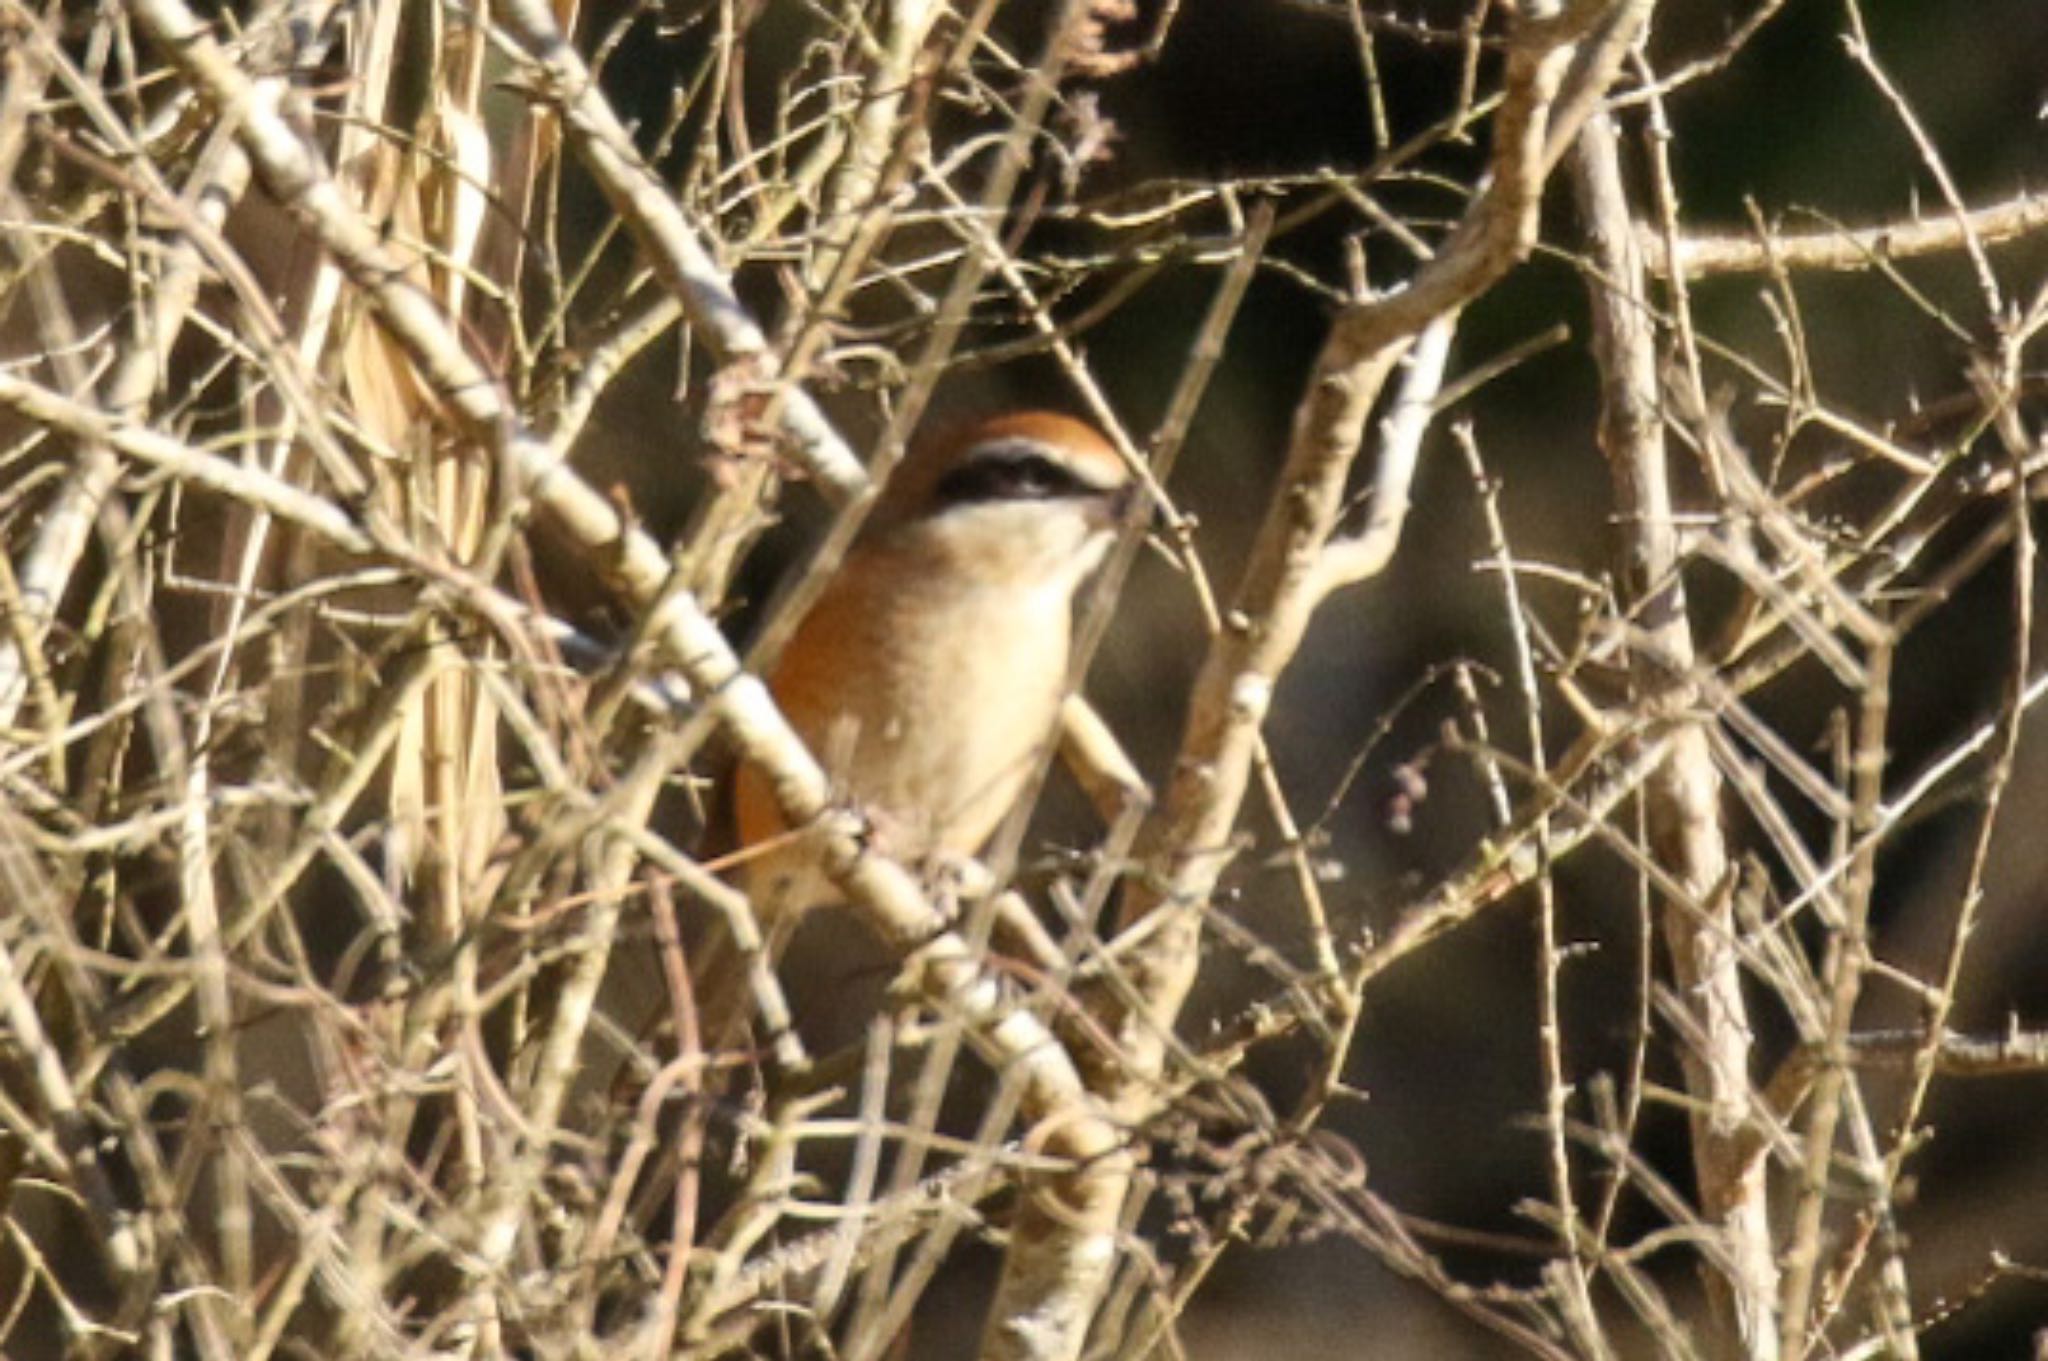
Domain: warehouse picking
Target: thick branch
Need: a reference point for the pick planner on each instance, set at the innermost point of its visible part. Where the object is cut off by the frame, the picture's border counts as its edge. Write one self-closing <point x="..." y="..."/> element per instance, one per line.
<point x="1683" y="795"/>
<point x="1280" y="591"/>
<point x="1842" y="248"/>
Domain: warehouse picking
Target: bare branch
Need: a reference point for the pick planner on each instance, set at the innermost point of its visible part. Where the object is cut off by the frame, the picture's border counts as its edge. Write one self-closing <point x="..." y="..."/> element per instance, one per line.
<point x="1844" y="248"/>
<point x="1682" y="797"/>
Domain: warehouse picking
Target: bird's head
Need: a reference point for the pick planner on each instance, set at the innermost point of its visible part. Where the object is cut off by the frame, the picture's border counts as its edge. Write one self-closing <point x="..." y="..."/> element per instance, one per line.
<point x="1024" y="499"/>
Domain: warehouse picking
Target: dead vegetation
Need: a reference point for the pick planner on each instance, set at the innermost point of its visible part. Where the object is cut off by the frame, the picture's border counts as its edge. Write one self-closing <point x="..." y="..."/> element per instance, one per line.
<point x="356" y="735"/>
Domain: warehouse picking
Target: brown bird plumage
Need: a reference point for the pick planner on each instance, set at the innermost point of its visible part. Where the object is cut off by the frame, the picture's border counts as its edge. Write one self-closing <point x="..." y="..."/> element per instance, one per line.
<point x="929" y="674"/>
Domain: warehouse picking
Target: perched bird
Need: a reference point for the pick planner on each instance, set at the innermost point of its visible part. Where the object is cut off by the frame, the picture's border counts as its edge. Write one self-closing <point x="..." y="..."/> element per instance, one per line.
<point x="929" y="674"/>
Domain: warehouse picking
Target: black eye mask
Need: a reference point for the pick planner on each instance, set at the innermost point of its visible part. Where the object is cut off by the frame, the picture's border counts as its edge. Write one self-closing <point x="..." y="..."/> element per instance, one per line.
<point x="1005" y="475"/>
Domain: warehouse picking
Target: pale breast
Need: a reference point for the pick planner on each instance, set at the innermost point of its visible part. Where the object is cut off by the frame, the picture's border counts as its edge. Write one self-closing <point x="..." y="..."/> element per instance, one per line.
<point x="929" y="704"/>
<point x="969" y="696"/>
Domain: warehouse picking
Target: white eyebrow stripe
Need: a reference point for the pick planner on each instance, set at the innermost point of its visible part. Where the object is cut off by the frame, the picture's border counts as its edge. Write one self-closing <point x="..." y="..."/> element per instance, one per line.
<point x="1014" y="446"/>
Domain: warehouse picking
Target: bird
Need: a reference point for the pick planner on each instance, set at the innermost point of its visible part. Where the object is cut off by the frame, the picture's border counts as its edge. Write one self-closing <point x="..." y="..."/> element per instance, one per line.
<point x="929" y="674"/>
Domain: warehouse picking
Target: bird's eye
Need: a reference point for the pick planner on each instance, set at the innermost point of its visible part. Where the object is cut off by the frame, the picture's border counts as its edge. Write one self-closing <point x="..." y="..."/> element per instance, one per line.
<point x="1008" y="477"/>
<point x="1034" y="475"/>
